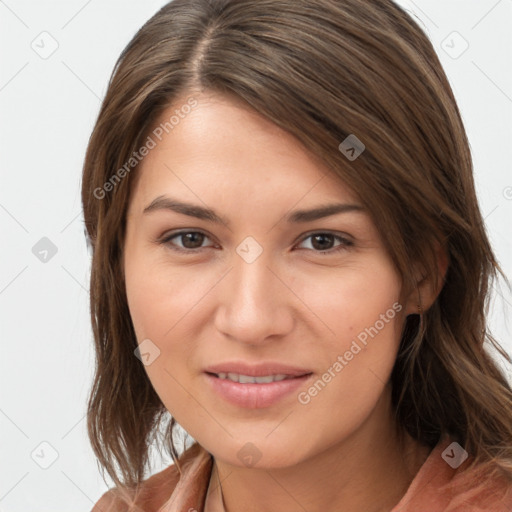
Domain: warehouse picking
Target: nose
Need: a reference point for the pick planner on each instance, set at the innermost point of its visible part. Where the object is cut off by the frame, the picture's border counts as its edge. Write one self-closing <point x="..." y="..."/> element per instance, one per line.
<point x="255" y="305"/>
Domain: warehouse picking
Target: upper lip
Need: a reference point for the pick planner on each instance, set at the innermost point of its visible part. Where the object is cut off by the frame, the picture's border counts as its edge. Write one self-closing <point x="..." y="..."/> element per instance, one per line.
<point x="257" y="370"/>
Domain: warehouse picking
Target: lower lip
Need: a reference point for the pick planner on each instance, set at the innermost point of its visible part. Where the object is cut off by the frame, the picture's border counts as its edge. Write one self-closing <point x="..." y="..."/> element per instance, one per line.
<point x="255" y="396"/>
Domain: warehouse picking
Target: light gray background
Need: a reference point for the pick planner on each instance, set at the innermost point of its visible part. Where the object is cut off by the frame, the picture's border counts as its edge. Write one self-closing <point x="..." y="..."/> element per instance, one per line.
<point x="47" y="107"/>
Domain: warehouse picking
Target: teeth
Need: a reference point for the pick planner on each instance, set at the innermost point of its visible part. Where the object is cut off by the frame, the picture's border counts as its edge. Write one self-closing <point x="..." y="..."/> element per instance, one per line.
<point x="247" y="379"/>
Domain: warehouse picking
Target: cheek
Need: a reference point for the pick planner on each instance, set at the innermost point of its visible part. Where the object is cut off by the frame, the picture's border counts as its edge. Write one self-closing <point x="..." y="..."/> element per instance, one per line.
<point x="167" y="306"/>
<point x="361" y="320"/>
<point x="350" y="300"/>
<point x="354" y="377"/>
<point x="159" y="296"/>
<point x="159" y="301"/>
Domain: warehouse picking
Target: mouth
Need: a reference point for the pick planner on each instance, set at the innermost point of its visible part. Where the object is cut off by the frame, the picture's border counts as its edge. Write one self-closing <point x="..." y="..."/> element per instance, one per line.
<point x="255" y="392"/>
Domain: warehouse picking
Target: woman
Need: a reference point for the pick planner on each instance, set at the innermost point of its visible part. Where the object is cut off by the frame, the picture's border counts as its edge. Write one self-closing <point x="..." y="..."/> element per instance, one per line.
<point x="237" y="138"/>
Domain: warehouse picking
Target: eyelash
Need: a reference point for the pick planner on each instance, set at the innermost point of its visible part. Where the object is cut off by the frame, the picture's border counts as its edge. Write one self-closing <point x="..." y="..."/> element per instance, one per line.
<point x="344" y="245"/>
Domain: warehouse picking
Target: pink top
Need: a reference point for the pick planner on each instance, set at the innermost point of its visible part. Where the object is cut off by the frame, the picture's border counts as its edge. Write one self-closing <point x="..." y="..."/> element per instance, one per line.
<point x="444" y="467"/>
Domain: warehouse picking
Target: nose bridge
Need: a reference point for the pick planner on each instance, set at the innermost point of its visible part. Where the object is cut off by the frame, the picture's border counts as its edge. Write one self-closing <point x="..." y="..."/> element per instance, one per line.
<point x="251" y="283"/>
<point x="252" y="308"/>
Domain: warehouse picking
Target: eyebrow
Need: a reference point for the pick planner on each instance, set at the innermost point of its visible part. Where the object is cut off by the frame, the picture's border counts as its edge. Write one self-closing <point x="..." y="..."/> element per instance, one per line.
<point x="297" y="216"/>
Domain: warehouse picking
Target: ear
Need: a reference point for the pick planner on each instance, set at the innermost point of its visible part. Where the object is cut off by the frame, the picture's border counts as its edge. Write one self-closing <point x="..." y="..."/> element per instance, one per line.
<point x="425" y="293"/>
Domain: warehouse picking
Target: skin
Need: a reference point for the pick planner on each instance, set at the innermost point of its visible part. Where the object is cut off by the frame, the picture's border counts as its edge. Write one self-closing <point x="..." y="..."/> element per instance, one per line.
<point x="292" y="304"/>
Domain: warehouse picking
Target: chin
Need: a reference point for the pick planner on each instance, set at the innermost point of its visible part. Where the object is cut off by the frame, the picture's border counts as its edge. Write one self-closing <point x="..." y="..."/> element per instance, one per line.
<point x="260" y="453"/>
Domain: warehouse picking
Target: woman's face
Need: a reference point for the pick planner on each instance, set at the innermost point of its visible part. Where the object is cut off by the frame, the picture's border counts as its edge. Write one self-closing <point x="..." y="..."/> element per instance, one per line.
<point x="265" y="287"/>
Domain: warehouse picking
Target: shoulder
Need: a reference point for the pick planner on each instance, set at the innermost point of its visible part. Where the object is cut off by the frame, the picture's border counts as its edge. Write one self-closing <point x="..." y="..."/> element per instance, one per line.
<point x="479" y="490"/>
<point x="449" y="482"/>
<point x="153" y="492"/>
<point x="110" y="502"/>
<point x="150" y="495"/>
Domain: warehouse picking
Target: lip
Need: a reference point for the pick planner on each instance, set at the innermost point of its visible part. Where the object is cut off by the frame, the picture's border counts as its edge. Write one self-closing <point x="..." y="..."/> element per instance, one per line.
<point x="253" y="395"/>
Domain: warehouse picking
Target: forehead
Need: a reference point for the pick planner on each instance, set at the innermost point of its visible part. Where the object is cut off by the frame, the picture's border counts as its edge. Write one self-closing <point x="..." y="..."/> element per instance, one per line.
<point x="221" y="150"/>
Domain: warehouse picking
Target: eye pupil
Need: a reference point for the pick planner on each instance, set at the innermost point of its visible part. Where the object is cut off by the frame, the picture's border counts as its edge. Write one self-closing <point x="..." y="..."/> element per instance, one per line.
<point x="322" y="237"/>
<point x="191" y="237"/>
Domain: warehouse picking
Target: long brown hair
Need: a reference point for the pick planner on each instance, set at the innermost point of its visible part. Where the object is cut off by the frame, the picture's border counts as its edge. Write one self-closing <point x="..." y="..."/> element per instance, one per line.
<point x="321" y="70"/>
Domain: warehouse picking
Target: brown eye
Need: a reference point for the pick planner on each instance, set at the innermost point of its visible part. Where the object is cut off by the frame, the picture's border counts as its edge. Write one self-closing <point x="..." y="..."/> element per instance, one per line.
<point x="323" y="242"/>
<point x="190" y="241"/>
